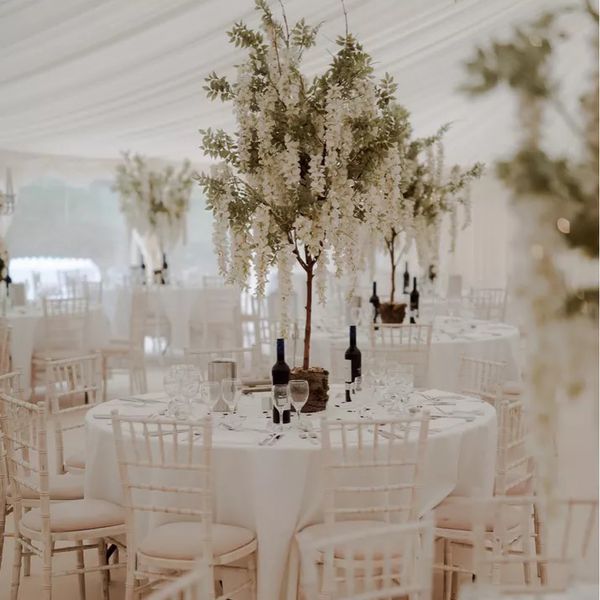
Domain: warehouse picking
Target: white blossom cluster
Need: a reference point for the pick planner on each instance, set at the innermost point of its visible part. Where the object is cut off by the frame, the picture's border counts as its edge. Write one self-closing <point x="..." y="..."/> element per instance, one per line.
<point x="154" y="201"/>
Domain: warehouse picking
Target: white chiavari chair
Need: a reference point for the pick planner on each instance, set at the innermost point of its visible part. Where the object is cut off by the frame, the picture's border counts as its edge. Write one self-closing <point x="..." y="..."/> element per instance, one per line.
<point x="481" y="378"/>
<point x="488" y="304"/>
<point x="129" y="353"/>
<point x="382" y="562"/>
<point x="44" y="530"/>
<point x="165" y="470"/>
<point x="74" y="386"/>
<point x="405" y="344"/>
<point x="566" y="556"/>
<point x="195" y="585"/>
<point x="65" y="328"/>
<point x="373" y="472"/>
<point x="515" y="476"/>
<point x="5" y="337"/>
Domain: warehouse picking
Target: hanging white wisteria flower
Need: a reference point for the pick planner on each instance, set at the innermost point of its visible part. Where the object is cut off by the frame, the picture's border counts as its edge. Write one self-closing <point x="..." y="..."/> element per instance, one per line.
<point x="154" y="201"/>
<point x="413" y="209"/>
<point x="556" y="200"/>
<point x="308" y="161"/>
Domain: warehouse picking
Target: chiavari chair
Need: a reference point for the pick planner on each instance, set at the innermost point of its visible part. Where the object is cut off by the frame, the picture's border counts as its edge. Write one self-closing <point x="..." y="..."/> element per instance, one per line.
<point x="5" y="338"/>
<point x="165" y="470"/>
<point x="195" y="585"/>
<point x="488" y="304"/>
<point x="481" y="378"/>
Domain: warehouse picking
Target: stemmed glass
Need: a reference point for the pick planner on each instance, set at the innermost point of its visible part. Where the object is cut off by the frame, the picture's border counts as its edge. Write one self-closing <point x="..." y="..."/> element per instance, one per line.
<point x="173" y="386"/>
<point x="299" y="396"/>
<point x="281" y="401"/>
<point x="231" y="390"/>
<point x="211" y="393"/>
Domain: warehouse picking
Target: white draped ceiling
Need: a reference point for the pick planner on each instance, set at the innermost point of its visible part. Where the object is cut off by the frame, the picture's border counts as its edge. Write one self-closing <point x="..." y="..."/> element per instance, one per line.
<point x="83" y="80"/>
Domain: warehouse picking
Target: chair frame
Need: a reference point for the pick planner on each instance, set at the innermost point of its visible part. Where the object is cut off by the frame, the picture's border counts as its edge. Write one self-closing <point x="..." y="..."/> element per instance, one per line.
<point x="489" y="304"/>
<point x="149" y="440"/>
<point x="481" y="378"/>
<point x="193" y="585"/>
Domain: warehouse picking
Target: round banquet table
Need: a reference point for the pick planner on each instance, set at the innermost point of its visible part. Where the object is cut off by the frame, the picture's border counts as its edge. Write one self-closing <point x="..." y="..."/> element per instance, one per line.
<point x="27" y="333"/>
<point x="276" y="490"/>
<point x="451" y="338"/>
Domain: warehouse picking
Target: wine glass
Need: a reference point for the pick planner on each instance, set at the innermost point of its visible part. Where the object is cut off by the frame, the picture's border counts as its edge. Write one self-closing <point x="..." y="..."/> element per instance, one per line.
<point x="211" y="393"/>
<point x="280" y="401"/>
<point x="173" y="386"/>
<point x="231" y="390"/>
<point x="299" y="395"/>
<point x="190" y="385"/>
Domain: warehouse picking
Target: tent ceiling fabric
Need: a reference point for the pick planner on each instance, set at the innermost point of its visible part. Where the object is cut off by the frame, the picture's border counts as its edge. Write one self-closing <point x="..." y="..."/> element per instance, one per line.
<point x="91" y="78"/>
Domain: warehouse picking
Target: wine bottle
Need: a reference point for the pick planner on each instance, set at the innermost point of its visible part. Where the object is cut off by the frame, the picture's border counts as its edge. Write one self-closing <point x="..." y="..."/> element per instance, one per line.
<point x="165" y="268"/>
<point x="414" y="302"/>
<point x="406" y="280"/>
<point x="143" y="272"/>
<point x="374" y="300"/>
<point x="280" y="374"/>
<point x="353" y="355"/>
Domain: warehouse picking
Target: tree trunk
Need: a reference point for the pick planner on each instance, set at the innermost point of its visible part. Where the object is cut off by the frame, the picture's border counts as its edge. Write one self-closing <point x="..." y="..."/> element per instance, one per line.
<point x="307" y="324"/>
<point x="393" y="261"/>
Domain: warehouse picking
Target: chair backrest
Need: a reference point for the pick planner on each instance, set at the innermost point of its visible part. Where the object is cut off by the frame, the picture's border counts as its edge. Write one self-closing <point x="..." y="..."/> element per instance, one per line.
<point x="24" y="432"/>
<point x="4" y="346"/>
<point x="379" y="563"/>
<point x="566" y="549"/>
<point x="374" y="468"/>
<point x="165" y="469"/>
<point x="246" y="360"/>
<point x="407" y="344"/>
<point x="74" y="385"/>
<point x="488" y="303"/>
<point x="196" y="584"/>
<point x="65" y="323"/>
<point x="515" y="464"/>
<point x="80" y="287"/>
<point x="12" y="383"/>
<point x="481" y="378"/>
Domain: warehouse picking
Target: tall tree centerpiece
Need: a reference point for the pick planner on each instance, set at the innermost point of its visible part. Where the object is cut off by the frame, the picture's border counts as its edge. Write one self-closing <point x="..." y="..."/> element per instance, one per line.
<point x="307" y="161"/>
<point x="155" y="203"/>
<point x="414" y="209"/>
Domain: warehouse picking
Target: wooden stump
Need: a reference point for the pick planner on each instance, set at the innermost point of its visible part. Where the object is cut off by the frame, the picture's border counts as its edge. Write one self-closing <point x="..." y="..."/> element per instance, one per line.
<point x="392" y="313"/>
<point x="318" y="385"/>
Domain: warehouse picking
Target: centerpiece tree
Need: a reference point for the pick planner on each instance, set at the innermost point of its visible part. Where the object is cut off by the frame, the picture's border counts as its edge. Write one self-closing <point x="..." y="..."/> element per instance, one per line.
<point x="414" y="209"/>
<point x="307" y="162"/>
<point x="155" y="204"/>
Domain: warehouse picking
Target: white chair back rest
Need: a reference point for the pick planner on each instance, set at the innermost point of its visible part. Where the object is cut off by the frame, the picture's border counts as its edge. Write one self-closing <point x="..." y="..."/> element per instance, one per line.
<point x="566" y="550"/>
<point x="12" y="383"/>
<point x="74" y="386"/>
<point x="515" y="465"/>
<point x="166" y="471"/>
<point x="4" y="346"/>
<point x="488" y="304"/>
<point x="196" y="584"/>
<point x="65" y="323"/>
<point x="407" y="344"/>
<point x="373" y="469"/>
<point x="381" y="563"/>
<point x="481" y="378"/>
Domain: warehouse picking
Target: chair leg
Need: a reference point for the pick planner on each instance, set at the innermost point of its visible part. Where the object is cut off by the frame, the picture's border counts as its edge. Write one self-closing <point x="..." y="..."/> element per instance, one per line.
<point x="447" y="572"/>
<point x="3" y="508"/>
<point x="27" y="563"/>
<point x="130" y="578"/>
<point x="16" y="570"/>
<point x="252" y="575"/>
<point x="47" y="573"/>
<point x="104" y="377"/>
<point x="103" y="561"/>
<point x="81" y="565"/>
<point x="541" y="568"/>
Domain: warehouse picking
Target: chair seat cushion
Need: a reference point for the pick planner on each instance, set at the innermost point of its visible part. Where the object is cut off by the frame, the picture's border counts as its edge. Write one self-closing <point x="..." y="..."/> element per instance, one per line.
<point x="314" y="533"/>
<point x="76" y="461"/>
<point x="77" y="515"/>
<point x="512" y="388"/>
<point x="453" y="515"/>
<point x="62" y="487"/>
<point x="42" y="356"/>
<point x="182" y="540"/>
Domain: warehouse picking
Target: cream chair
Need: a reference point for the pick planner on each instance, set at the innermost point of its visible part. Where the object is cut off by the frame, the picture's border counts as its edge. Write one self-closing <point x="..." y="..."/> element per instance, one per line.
<point x="74" y="386"/>
<point x="82" y="524"/>
<point x="488" y="304"/>
<point x="65" y="328"/>
<point x="5" y="336"/>
<point x="373" y="472"/>
<point x="407" y="344"/>
<point x="515" y="473"/>
<point x="481" y="378"/>
<point x="128" y="353"/>
<point x="567" y="555"/>
<point x="379" y="563"/>
<point x="195" y="585"/>
<point x="165" y="473"/>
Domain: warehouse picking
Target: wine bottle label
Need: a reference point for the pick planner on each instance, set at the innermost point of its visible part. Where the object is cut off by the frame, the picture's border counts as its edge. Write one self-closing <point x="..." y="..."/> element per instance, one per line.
<point x="348" y="372"/>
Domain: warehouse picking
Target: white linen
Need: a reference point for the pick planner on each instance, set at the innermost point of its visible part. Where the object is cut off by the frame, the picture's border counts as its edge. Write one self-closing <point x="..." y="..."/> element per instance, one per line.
<point x="452" y="337"/>
<point x="275" y="490"/>
<point x="27" y="334"/>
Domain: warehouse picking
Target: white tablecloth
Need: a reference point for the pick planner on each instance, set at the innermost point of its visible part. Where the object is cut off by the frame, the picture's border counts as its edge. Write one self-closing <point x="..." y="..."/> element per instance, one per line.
<point x="27" y="332"/>
<point x="452" y="337"/>
<point x="276" y="490"/>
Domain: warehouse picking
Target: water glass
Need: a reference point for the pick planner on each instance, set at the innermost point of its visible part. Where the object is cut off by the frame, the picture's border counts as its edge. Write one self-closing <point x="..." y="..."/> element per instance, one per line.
<point x="211" y="394"/>
<point x="299" y="395"/>
<point x="281" y="401"/>
<point x="231" y="390"/>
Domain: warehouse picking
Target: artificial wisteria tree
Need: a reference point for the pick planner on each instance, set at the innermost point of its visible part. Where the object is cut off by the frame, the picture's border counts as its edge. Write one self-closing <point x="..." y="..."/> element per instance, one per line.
<point x="307" y="162"/>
